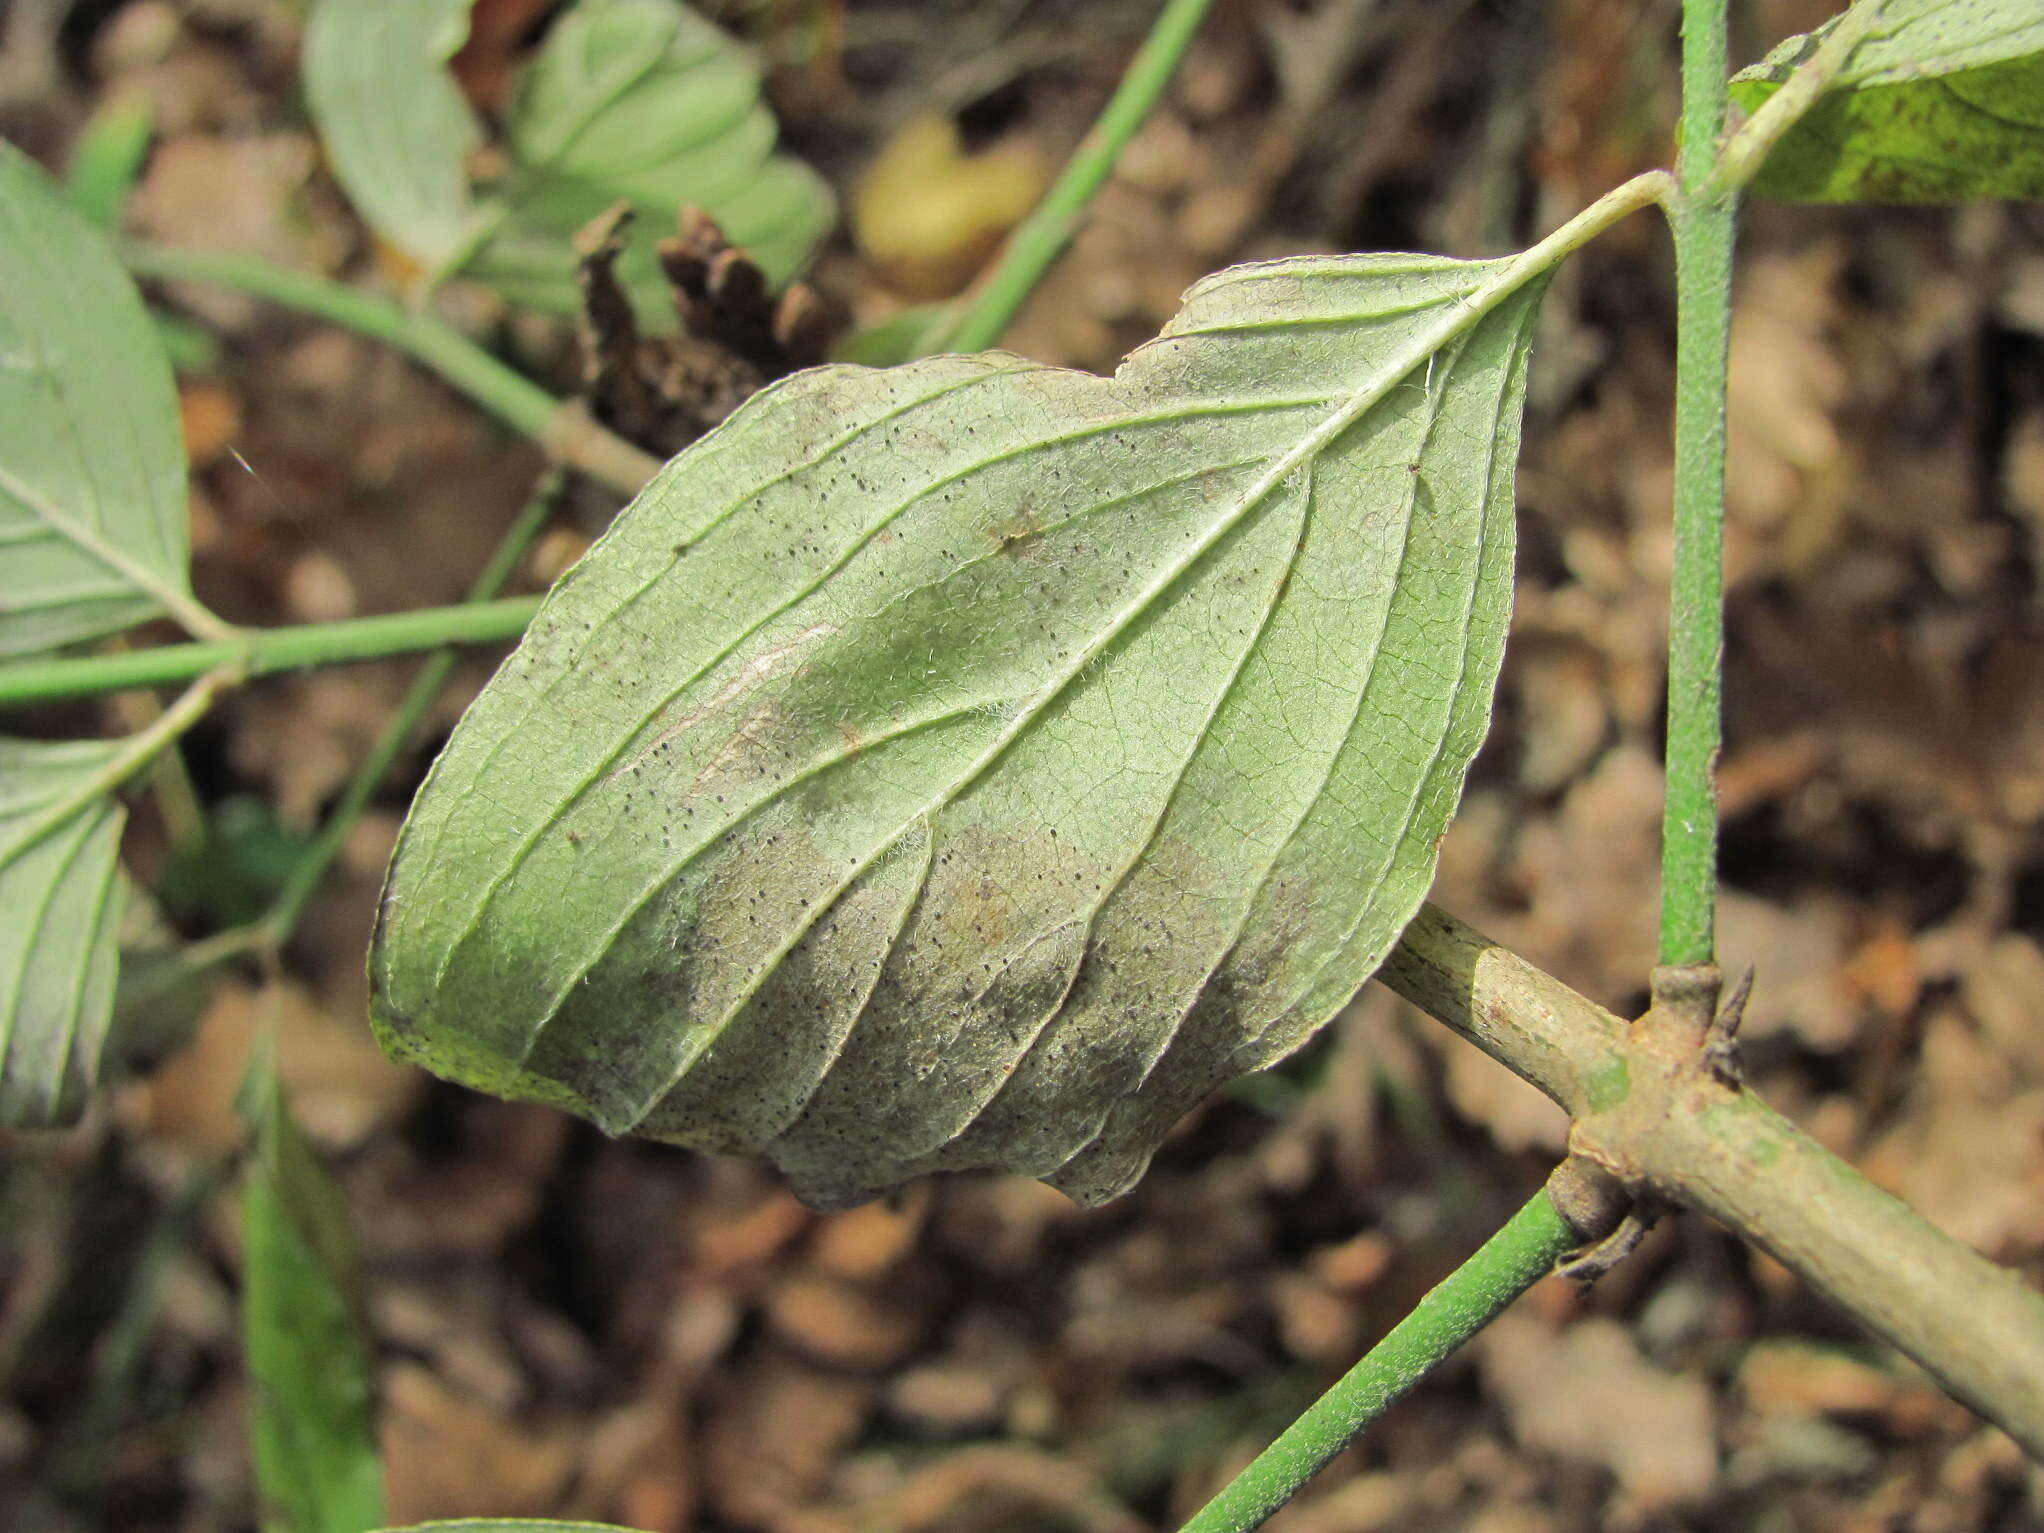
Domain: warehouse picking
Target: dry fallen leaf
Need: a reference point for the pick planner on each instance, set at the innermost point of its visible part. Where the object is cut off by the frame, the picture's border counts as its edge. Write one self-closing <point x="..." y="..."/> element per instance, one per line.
<point x="445" y="1456"/>
<point x="774" y="1434"/>
<point x="1587" y="1393"/>
<point x="342" y="1087"/>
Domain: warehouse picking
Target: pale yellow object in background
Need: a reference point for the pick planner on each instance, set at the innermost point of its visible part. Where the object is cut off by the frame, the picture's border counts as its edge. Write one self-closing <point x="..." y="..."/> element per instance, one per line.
<point x="927" y="214"/>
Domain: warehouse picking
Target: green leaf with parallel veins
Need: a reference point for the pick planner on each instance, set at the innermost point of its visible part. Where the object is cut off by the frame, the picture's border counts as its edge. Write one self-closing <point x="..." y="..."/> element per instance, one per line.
<point x="312" y="1405"/>
<point x="627" y="100"/>
<point x="60" y="916"/>
<point x="970" y="764"/>
<point x="93" y="528"/>
<point x="1942" y="102"/>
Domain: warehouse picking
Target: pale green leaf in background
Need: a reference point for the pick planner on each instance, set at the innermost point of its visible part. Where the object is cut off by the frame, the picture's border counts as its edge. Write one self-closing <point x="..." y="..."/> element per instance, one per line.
<point x="644" y="101"/>
<point x="1943" y="102"/>
<point x="970" y="764"/>
<point x="626" y="100"/>
<point x="93" y="522"/>
<point x="60" y="916"/>
<point x="396" y="129"/>
<point x="312" y="1377"/>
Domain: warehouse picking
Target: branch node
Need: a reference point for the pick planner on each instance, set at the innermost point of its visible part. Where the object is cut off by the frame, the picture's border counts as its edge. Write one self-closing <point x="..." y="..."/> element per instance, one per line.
<point x="1591" y="1263"/>
<point x="1721" y="1038"/>
<point x="1685" y="1002"/>
<point x="1606" y="1218"/>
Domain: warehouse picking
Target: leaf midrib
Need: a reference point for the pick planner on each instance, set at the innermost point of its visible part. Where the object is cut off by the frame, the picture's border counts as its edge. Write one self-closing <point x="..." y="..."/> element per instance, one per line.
<point x="765" y="968"/>
<point x="144" y="581"/>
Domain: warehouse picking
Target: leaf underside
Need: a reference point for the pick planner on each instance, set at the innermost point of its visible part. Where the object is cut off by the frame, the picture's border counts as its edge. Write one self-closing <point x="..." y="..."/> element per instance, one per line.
<point x="970" y="764"/>
<point x="92" y="468"/>
<point x="626" y="100"/>
<point x="58" y="938"/>
<point x="1943" y="102"/>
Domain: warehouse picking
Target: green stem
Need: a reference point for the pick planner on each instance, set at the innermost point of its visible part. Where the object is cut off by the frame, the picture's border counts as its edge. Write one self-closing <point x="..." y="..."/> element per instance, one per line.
<point x="136" y="752"/>
<point x="1463" y="1303"/>
<point x="562" y="428"/>
<point x="262" y="651"/>
<point x="1703" y="230"/>
<point x="282" y="917"/>
<point x="1035" y="246"/>
<point x="170" y="784"/>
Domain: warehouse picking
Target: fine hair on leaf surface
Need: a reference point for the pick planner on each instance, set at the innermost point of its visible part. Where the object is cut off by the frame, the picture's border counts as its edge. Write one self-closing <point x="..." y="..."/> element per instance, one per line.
<point x="970" y="764"/>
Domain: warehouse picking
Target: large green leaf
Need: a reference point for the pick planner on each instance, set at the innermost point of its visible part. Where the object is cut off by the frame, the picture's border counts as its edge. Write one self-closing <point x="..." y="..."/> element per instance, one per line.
<point x="93" y="528"/>
<point x="60" y="916"/>
<point x="397" y="131"/>
<point x="634" y="100"/>
<point x="1941" y="102"/>
<point x="312" y="1398"/>
<point x="969" y="764"/>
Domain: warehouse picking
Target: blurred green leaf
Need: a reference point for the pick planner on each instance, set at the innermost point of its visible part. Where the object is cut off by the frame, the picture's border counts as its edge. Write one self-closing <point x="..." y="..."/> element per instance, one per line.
<point x="109" y="157"/>
<point x="640" y="101"/>
<point x="643" y="101"/>
<point x="313" y="1378"/>
<point x="970" y="764"/>
<point x="230" y="877"/>
<point x="894" y="340"/>
<point x="192" y="348"/>
<point x="93" y="526"/>
<point x="395" y="126"/>
<point x="161" y="993"/>
<point x="60" y="915"/>
<point x="1943" y="102"/>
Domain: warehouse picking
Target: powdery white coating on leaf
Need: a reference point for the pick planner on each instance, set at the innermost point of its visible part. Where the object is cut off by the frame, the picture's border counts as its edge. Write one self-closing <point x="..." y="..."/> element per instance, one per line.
<point x="971" y="763"/>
